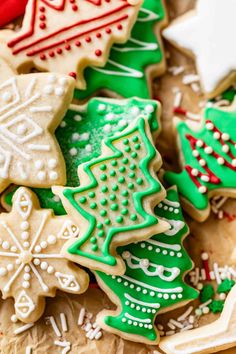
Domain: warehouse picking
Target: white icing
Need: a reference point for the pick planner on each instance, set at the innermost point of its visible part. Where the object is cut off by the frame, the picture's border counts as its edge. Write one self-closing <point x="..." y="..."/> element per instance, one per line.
<point x="142" y="303"/>
<point x="209" y="34"/>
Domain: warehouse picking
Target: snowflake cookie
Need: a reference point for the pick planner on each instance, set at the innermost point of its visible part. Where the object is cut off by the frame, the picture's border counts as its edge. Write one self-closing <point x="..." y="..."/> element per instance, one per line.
<point x="31" y="266"/>
<point x="68" y="35"/>
<point x="31" y="108"/>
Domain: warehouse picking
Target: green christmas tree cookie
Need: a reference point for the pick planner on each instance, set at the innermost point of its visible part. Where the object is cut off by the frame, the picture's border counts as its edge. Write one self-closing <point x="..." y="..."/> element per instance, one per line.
<point x="81" y="133"/>
<point x="114" y="203"/>
<point x="209" y="161"/>
<point x="153" y="281"/>
<point x="132" y="65"/>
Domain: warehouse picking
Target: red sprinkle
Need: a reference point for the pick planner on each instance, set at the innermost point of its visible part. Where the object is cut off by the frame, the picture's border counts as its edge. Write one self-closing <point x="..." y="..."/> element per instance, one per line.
<point x="73" y="74"/>
<point x="179" y="110"/>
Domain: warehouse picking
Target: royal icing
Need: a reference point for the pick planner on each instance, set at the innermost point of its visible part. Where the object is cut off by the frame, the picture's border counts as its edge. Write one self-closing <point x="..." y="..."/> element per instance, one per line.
<point x="11" y="9"/>
<point x="114" y="199"/>
<point x="124" y="73"/>
<point x="31" y="266"/>
<point x="209" y="159"/>
<point x="153" y="280"/>
<point x="29" y="114"/>
<point x="81" y="132"/>
<point x="204" y="33"/>
<point x="69" y="35"/>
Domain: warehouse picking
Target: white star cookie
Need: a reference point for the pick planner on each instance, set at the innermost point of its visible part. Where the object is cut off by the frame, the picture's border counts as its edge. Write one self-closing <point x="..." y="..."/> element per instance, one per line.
<point x="212" y="338"/>
<point x="31" y="266"/>
<point x="31" y="108"/>
<point x="208" y="34"/>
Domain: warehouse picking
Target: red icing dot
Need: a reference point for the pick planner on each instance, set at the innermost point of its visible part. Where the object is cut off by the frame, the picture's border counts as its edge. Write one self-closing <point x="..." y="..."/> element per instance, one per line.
<point x="88" y="39"/>
<point x="98" y="52"/>
<point x="108" y="30"/>
<point x="42" y="8"/>
<point x="78" y="43"/>
<point x="119" y="27"/>
<point x="72" y="1"/>
<point x="42" y="56"/>
<point x="42" y="25"/>
<point x="42" y="17"/>
<point x="59" y="50"/>
<point x="74" y="7"/>
<point x="51" y="54"/>
<point x="98" y="35"/>
<point x="73" y="74"/>
<point x="67" y="47"/>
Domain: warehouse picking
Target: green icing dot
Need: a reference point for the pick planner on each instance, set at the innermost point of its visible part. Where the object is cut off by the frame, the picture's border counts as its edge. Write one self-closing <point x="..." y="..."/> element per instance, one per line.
<point x="115" y="187"/>
<point x="93" y="240"/>
<point x="112" y="197"/>
<point x="103" y="177"/>
<point x="114" y="163"/>
<point x="124" y="211"/>
<point x="125" y="141"/>
<point x="121" y="179"/>
<point x="128" y="149"/>
<point x="125" y="193"/>
<point x="133" y="217"/>
<point x="137" y="146"/>
<point x="134" y="154"/>
<point x="125" y="160"/>
<point x="103" y="201"/>
<point x="131" y="186"/>
<point x="114" y="206"/>
<point x="119" y="219"/>
<point x="93" y="205"/>
<point x="94" y="248"/>
<point x="135" y="139"/>
<point x="82" y="200"/>
<point x="101" y="233"/>
<point x="139" y="181"/>
<point x="103" y="167"/>
<point x="112" y="173"/>
<point x="132" y="166"/>
<point x="91" y="194"/>
<point x="216" y="306"/>
<point x="107" y="221"/>
<point x="122" y="169"/>
<point x="132" y="174"/>
<point x="104" y="189"/>
<point x="103" y="212"/>
<point x="207" y="293"/>
<point x="99" y="225"/>
<point x="125" y="202"/>
<point x="225" y="286"/>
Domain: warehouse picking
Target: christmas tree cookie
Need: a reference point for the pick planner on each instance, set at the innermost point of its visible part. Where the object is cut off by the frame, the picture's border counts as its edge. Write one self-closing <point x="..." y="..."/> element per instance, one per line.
<point x="114" y="203"/>
<point x="209" y="161"/>
<point x="131" y="66"/>
<point x="31" y="108"/>
<point x="153" y="281"/>
<point x="81" y="133"/>
<point x="68" y="35"/>
<point x="31" y="266"/>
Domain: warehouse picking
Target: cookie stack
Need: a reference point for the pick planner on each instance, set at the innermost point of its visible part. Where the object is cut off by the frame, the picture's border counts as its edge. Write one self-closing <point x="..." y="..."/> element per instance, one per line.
<point x="83" y="191"/>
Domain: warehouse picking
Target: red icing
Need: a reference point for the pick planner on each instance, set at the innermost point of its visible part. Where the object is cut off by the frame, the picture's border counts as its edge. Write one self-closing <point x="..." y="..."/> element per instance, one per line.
<point x="11" y="9"/>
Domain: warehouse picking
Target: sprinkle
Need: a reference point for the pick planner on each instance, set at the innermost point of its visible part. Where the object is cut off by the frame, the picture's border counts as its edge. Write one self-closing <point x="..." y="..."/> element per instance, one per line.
<point x="190" y="78"/>
<point x="192" y="116"/>
<point x="178" y="99"/>
<point x="28" y="350"/>
<point x="54" y="326"/>
<point x="176" y="323"/>
<point x="212" y="275"/>
<point x="63" y="322"/>
<point x="205" y="304"/>
<point x="87" y="327"/>
<point x="203" y="274"/>
<point x="191" y="319"/>
<point x="205" y="263"/>
<point x="23" y="328"/>
<point x="196" y="276"/>
<point x="185" y="314"/>
<point x="176" y="70"/>
<point x="186" y="328"/>
<point x="160" y="327"/>
<point x="195" y="87"/>
<point x="216" y="271"/>
<point x="94" y="333"/>
<point x="98" y="335"/>
<point x="81" y="317"/>
<point x="62" y="344"/>
<point x="65" y="350"/>
<point x="170" y="333"/>
<point x="14" y="318"/>
<point x="221" y="202"/>
<point x="170" y="325"/>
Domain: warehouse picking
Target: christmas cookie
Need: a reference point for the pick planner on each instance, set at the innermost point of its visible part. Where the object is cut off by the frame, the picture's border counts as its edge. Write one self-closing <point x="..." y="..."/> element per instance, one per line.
<point x="212" y="338"/>
<point x="208" y="160"/>
<point x="11" y="9"/>
<point x="132" y="66"/>
<point x="68" y="35"/>
<point x="207" y="33"/>
<point x="114" y="203"/>
<point x="31" y="108"/>
<point x="153" y="281"/>
<point x="81" y="133"/>
<point x="31" y="266"/>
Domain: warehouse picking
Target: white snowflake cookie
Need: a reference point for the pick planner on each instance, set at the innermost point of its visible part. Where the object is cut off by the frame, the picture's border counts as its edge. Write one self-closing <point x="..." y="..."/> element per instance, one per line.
<point x="31" y="108"/>
<point x="31" y="266"/>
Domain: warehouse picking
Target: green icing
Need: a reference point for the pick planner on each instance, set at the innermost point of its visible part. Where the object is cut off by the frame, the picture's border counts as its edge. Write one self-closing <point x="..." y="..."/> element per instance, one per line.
<point x="124" y="73"/>
<point x="217" y="132"/>
<point x="207" y="293"/>
<point x="153" y="280"/>
<point x="117" y="205"/>
<point x="225" y="286"/>
<point x="216" y="306"/>
<point x="81" y="133"/>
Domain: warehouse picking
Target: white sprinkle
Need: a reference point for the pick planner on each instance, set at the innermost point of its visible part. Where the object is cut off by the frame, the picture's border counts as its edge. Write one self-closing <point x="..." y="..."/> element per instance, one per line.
<point x="178" y="99"/>
<point x="94" y="332"/>
<point x="73" y="151"/>
<point x="170" y="325"/>
<point x="186" y="328"/>
<point x="170" y="333"/>
<point x="81" y="317"/>
<point x="192" y="116"/>
<point x="203" y="274"/>
<point x="65" y="350"/>
<point x="221" y="202"/>
<point x="176" y="70"/>
<point x="191" y="319"/>
<point x="216" y="271"/>
<point x="195" y="87"/>
<point x="28" y="350"/>
<point x="14" y="318"/>
<point x="87" y="327"/>
<point x="176" y="323"/>
<point x="63" y="322"/>
<point x="98" y="335"/>
<point x="160" y="327"/>
<point x="54" y="326"/>
<point x="205" y="304"/>
<point x="23" y="328"/>
<point x="62" y="344"/>
<point x="185" y="314"/>
<point x="212" y="275"/>
<point x="190" y="78"/>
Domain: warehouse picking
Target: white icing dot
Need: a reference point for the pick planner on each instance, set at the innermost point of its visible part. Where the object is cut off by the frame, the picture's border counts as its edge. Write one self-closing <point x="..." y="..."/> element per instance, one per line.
<point x="171" y="209"/>
<point x="142" y="245"/>
<point x="210" y="126"/>
<point x="126" y="255"/>
<point x="225" y="148"/>
<point x="202" y="189"/>
<point x="164" y="252"/>
<point x="152" y="293"/>
<point x="48" y="89"/>
<point x="234" y="162"/>
<point x="138" y="288"/>
<point x="63" y="124"/>
<point x="132" y="306"/>
<point x="7" y="96"/>
<point x="73" y="151"/>
<point x="180" y="296"/>
<point x="194" y="172"/>
<point x="26" y="276"/>
<point x="18" y="261"/>
<point x="122" y="123"/>
<point x="149" y="108"/>
<point x="107" y="128"/>
<point x="21" y="129"/>
<point x="37" y="249"/>
<point x="159" y="295"/>
<point x="110" y="116"/>
<point x="26" y="244"/>
<point x="195" y="153"/>
<point x="144" y="309"/>
<point x="124" y="320"/>
<point x="135" y="110"/>
<point x="88" y="148"/>
<point x="3" y="271"/>
<point x="141" y="324"/>
<point x="145" y="291"/>
<point x="179" y="254"/>
<point x="205" y="178"/>
<point x="77" y="118"/>
<point x="27" y="269"/>
<point x="176" y="211"/>
<point x="204" y="256"/>
<point x="199" y="143"/>
<point x="52" y="78"/>
<point x="119" y="280"/>
<point x="53" y="175"/>
<point x="24" y="225"/>
<point x="36" y="261"/>
<point x="131" y="286"/>
<point x="10" y="267"/>
<point x="216" y="135"/>
<point x="41" y="175"/>
<point x="202" y="162"/>
<point x="52" y="239"/>
<point x="172" y="253"/>
<point x="59" y="91"/>
<point x="44" y="265"/>
<point x="101" y="107"/>
<point x="38" y="164"/>
<point x="160" y="205"/>
<point x="63" y="81"/>
<point x="126" y="283"/>
<point x="135" y="323"/>
<point x="208" y="150"/>
<point x="25" y="235"/>
<point x="13" y="249"/>
<point x="173" y="296"/>
<point x="166" y="296"/>
<point x="225" y="136"/>
<point x="130" y="322"/>
<point x="144" y="263"/>
<point x="14" y="318"/>
<point x="43" y="244"/>
<point x="26" y="284"/>
<point x="153" y="311"/>
<point x="50" y="270"/>
<point x="165" y="207"/>
<point x="75" y="136"/>
<point x="52" y="163"/>
<point x="158" y="250"/>
<point x="150" y="248"/>
<point x="5" y="245"/>
<point x="220" y="161"/>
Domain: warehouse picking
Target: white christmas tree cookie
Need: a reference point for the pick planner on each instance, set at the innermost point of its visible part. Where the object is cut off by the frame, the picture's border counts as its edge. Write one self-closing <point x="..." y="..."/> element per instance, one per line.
<point x="207" y="33"/>
<point x="68" y="35"/>
<point x="31" y="266"/>
<point x="31" y="108"/>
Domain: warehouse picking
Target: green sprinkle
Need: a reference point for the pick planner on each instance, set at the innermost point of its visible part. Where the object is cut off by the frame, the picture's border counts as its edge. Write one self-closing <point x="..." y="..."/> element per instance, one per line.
<point x="225" y="286"/>
<point x="137" y="146"/>
<point x="103" y="212"/>
<point x="207" y="293"/>
<point x="93" y="205"/>
<point x="101" y="233"/>
<point x="128" y="149"/>
<point x="125" y="193"/>
<point x="131" y="186"/>
<point x="103" y="177"/>
<point x="122" y="169"/>
<point x="104" y="189"/>
<point x="112" y="197"/>
<point x="114" y="206"/>
<point x="139" y="181"/>
<point x="135" y="139"/>
<point x="103" y="201"/>
<point x="115" y="187"/>
<point x="91" y="194"/>
<point x="94" y="248"/>
<point x="133" y="217"/>
<point x="132" y="174"/>
<point x="103" y="167"/>
<point x="119" y="219"/>
<point x="125" y="202"/>
<point x="134" y="154"/>
<point x="121" y="179"/>
<point x="124" y="211"/>
<point x="107" y="221"/>
<point x="216" y="306"/>
<point x="93" y="240"/>
<point x="125" y="141"/>
<point x="125" y="160"/>
<point x="114" y="163"/>
<point x="112" y="173"/>
<point x="132" y="166"/>
<point x="82" y="200"/>
<point x="99" y="225"/>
